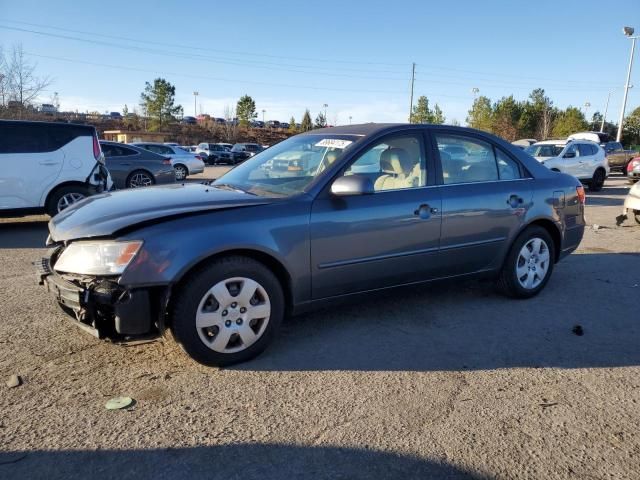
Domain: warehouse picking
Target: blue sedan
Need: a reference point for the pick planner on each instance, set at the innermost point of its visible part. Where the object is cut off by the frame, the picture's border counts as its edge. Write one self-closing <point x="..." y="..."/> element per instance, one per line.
<point x="323" y="216"/>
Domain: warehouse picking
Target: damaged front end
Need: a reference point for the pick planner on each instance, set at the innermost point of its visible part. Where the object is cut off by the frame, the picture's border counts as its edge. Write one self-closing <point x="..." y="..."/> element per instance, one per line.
<point x="101" y="306"/>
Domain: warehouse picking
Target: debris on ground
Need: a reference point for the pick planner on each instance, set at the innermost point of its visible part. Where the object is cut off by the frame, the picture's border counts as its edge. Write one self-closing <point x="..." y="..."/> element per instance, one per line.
<point x="118" y="403"/>
<point x="595" y="226"/>
<point x="14" y="381"/>
<point x="620" y="220"/>
<point x="577" y="330"/>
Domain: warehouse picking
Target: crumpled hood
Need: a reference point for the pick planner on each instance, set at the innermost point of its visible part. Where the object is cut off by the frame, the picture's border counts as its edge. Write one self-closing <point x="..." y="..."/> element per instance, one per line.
<point x="107" y="213"/>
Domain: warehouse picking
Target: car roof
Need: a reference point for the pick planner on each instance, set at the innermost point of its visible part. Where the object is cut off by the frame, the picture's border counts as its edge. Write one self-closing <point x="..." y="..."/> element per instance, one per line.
<point x="51" y="124"/>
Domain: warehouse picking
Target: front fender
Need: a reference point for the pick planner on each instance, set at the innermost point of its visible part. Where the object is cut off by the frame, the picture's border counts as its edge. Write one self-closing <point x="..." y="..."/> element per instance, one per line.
<point x="173" y="248"/>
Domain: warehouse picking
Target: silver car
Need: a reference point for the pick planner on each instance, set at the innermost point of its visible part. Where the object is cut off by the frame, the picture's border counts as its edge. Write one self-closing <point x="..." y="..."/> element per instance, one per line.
<point x="184" y="163"/>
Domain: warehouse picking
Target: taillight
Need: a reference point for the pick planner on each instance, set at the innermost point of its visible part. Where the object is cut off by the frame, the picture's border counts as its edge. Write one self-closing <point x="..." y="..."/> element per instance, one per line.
<point x="581" y="195"/>
<point x="632" y="164"/>
<point x="97" y="152"/>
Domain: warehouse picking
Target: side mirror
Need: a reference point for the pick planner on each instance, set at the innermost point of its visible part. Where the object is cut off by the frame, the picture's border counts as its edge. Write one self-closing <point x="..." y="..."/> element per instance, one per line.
<point x="352" y="185"/>
<point x="569" y="155"/>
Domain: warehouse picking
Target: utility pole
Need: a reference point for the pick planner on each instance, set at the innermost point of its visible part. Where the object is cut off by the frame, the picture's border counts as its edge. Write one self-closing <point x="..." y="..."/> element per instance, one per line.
<point x="628" y="31"/>
<point x="195" y="103"/>
<point x="413" y="79"/>
<point x="606" y="109"/>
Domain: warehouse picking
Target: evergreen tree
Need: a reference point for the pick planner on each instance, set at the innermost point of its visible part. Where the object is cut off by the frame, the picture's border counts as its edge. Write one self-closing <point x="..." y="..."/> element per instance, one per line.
<point x="481" y="114"/>
<point x="246" y="110"/>
<point x="570" y="121"/>
<point x="157" y="101"/>
<point x="306" y="124"/>
<point x="321" y="121"/>
<point x="421" y="112"/>
<point x="292" y="125"/>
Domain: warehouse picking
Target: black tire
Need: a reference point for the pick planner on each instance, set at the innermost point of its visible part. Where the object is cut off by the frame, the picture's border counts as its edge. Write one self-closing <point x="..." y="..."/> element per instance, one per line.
<point x="130" y="183"/>
<point x="632" y="181"/>
<point x="51" y="207"/>
<point x="597" y="181"/>
<point x="190" y="294"/>
<point x="624" y="168"/>
<point x="181" y="172"/>
<point x="636" y="216"/>
<point x="508" y="282"/>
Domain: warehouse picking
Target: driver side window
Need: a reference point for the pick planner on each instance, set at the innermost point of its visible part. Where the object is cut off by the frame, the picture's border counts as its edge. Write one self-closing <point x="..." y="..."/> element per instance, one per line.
<point x="395" y="163"/>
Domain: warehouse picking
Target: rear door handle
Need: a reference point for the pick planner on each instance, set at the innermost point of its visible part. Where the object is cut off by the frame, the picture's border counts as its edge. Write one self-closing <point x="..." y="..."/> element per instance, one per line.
<point x="424" y="211"/>
<point x="515" y="201"/>
<point x="49" y="162"/>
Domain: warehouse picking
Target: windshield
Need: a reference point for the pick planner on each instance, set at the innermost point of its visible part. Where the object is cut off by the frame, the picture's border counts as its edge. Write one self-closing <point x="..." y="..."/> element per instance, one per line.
<point x="289" y="167"/>
<point x="544" y="150"/>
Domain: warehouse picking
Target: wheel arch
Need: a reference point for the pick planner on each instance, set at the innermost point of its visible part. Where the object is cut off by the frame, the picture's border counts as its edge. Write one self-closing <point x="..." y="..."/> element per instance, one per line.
<point x="554" y="231"/>
<point x="47" y="196"/>
<point x="143" y="170"/>
<point x="269" y="261"/>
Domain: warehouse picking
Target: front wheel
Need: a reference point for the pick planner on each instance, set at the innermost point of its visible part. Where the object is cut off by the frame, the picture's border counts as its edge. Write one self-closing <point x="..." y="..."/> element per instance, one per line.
<point x="140" y="178"/>
<point x="529" y="264"/>
<point x="597" y="181"/>
<point x="228" y="311"/>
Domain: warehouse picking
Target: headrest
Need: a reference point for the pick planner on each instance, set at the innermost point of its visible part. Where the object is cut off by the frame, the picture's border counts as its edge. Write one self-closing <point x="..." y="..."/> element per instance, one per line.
<point x="395" y="160"/>
<point x="331" y="157"/>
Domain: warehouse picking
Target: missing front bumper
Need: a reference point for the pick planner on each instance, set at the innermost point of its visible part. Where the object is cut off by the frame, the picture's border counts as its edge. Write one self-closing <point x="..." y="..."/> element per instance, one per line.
<point x="102" y="307"/>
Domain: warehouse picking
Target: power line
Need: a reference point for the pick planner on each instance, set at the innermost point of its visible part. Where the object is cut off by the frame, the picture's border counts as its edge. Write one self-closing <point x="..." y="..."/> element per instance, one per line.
<point x="192" y="47"/>
<point x="304" y="69"/>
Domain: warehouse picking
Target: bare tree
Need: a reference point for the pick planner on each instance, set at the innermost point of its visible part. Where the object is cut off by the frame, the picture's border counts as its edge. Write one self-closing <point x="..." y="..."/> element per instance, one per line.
<point x="230" y="125"/>
<point x="4" y="79"/>
<point x="24" y="85"/>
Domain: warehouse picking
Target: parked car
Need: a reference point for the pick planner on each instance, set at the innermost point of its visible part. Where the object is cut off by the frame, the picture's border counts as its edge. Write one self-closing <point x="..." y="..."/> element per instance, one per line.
<point x="220" y="121"/>
<point x="618" y="157"/>
<point x="284" y="125"/>
<point x="189" y="120"/>
<point x="260" y="248"/>
<point x="133" y="167"/>
<point x="48" y="109"/>
<point x="115" y="116"/>
<point x="524" y="142"/>
<point x="215" y="153"/>
<point x="257" y="124"/>
<point x="48" y="166"/>
<point x="242" y="151"/>
<point x="597" y="137"/>
<point x="184" y="163"/>
<point x="633" y="170"/>
<point x="273" y="124"/>
<point x="583" y="159"/>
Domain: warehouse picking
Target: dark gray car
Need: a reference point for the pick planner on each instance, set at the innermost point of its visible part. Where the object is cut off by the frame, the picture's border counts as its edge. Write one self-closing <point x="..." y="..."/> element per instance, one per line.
<point x="221" y="264"/>
<point x="133" y="167"/>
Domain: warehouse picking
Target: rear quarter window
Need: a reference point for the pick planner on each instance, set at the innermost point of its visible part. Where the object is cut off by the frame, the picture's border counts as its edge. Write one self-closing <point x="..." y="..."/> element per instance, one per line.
<point x="38" y="138"/>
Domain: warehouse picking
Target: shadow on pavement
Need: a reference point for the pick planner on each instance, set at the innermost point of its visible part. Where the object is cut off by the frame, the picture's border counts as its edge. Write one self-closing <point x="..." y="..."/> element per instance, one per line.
<point x="23" y="234"/>
<point x="239" y="461"/>
<point x="467" y="325"/>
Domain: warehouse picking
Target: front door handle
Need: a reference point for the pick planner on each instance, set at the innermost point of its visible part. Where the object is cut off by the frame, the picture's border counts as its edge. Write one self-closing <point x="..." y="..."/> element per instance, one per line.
<point x="49" y="162"/>
<point x="515" y="201"/>
<point x="424" y="211"/>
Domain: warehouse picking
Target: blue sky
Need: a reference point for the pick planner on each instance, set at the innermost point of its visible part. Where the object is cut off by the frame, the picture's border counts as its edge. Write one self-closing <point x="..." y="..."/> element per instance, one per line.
<point x="354" y="56"/>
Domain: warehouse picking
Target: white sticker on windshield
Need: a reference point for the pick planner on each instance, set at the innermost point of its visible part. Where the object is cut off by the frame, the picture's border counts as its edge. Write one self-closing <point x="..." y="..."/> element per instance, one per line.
<point x="333" y="143"/>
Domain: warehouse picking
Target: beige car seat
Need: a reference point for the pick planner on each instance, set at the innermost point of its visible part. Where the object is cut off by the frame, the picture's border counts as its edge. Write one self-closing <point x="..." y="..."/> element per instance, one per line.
<point x="397" y="167"/>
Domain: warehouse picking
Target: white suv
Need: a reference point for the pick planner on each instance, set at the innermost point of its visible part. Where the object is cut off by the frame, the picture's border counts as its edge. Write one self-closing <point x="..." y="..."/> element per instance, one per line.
<point x="48" y="166"/>
<point x="583" y="159"/>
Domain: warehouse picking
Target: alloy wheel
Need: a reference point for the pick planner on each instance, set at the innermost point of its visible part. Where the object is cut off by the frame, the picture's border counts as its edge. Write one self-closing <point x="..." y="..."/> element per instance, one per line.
<point x="533" y="263"/>
<point x="69" y="199"/>
<point x="140" y="179"/>
<point x="181" y="172"/>
<point x="233" y="315"/>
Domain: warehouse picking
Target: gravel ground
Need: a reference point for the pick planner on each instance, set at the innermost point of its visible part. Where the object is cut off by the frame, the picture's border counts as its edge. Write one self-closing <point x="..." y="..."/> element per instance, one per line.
<point x="440" y="381"/>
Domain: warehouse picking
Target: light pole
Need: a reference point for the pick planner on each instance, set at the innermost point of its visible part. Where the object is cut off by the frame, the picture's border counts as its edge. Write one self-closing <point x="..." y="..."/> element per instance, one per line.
<point x="325" y="114"/>
<point x="349" y="119"/>
<point x="586" y="109"/>
<point x="475" y="91"/>
<point x="263" y="112"/>
<point x="606" y="109"/>
<point x="628" y="31"/>
<point x="195" y="103"/>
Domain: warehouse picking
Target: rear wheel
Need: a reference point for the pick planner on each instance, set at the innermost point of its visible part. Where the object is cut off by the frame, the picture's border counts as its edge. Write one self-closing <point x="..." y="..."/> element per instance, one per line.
<point x="529" y="264"/>
<point x="597" y="181"/>
<point x="140" y="178"/>
<point x="228" y="312"/>
<point x="64" y="197"/>
<point x="181" y="172"/>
